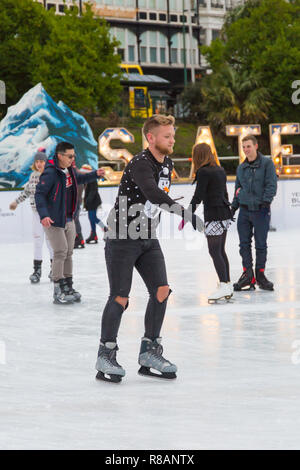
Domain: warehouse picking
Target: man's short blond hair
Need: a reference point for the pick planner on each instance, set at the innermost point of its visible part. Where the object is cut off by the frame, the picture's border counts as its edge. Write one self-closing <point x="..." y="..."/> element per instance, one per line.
<point x="157" y="120"/>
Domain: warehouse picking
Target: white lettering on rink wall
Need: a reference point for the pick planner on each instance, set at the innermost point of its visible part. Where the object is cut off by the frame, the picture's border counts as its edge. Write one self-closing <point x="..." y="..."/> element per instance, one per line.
<point x="296" y="94"/>
<point x="2" y="353"/>
<point x="2" y="92"/>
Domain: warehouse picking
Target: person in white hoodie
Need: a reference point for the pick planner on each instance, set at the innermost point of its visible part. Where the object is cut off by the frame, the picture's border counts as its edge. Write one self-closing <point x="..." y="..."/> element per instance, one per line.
<point x="38" y="232"/>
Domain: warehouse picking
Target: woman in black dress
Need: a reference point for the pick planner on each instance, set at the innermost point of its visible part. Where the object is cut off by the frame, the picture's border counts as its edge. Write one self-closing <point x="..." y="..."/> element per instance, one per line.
<point x="211" y="190"/>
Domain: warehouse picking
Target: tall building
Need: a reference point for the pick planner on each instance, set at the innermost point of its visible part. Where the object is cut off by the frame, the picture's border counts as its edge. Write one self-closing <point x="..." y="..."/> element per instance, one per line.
<point x="163" y="36"/>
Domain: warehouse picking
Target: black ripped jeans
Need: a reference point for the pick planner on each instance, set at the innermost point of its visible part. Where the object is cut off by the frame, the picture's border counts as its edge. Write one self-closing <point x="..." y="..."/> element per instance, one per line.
<point x="121" y="257"/>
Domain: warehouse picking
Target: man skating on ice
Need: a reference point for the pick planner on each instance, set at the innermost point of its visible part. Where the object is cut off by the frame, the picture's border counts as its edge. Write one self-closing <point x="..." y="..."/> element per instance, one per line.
<point x="131" y="242"/>
<point x="56" y="202"/>
<point x="255" y="188"/>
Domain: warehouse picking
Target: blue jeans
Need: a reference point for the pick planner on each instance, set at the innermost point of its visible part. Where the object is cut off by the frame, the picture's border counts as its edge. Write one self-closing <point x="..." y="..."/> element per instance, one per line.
<point x="92" y="214"/>
<point x="253" y="223"/>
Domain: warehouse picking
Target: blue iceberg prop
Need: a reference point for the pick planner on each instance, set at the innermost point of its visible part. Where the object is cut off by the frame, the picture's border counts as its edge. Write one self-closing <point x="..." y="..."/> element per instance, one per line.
<point x="38" y="121"/>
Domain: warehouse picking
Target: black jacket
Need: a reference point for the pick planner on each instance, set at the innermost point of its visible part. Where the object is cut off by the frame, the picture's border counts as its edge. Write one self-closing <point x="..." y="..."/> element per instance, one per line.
<point x="211" y="190"/>
<point x="50" y="194"/>
<point x="92" y="199"/>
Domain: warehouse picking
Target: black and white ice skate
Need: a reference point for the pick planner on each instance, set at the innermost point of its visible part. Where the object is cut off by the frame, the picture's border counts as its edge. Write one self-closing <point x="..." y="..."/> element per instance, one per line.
<point x="71" y="291"/>
<point x="107" y="366"/>
<point x="262" y="281"/>
<point x="61" y="295"/>
<point x="37" y="272"/>
<point x="246" y="281"/>
<point x="152" y="363"/>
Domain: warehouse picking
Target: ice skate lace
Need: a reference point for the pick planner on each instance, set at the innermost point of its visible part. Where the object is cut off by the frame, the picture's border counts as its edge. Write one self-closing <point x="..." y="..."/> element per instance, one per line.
<point x="109" y="356"/>
<point x="156" y="352"/>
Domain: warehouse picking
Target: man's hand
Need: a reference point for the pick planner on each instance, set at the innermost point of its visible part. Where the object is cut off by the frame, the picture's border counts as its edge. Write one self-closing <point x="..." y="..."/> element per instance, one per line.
<point x="100" y="172"/>
<point x="13" y="206"/>
<point x="46" y="222"/>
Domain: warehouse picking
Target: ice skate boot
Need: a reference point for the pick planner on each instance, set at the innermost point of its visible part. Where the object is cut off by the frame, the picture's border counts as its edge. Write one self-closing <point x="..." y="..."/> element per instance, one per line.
<point x="150" y="357"/>
<point x="37" y="272"/>
<point x="71" y="291"/>
<point x="223" y="292"/>
<point x="107" y="366"/>
<point x="92" y="238"/>
<point x="61" y="294"/>
<point x="79" y="241"/>
<point x="262" y="281"/>
<point x="246" y="281"/>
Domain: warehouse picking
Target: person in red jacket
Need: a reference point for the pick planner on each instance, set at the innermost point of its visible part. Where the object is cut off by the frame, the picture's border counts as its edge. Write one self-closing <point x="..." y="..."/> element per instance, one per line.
<point x="56" y="202"/>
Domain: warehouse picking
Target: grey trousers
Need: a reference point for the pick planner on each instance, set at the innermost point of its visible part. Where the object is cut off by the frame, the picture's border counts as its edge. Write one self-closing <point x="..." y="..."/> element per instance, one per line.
<point x="62" y="242"/>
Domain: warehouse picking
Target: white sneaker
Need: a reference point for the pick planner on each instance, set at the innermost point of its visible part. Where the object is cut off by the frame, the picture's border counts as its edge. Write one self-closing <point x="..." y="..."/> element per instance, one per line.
<point x="224" y="291"/>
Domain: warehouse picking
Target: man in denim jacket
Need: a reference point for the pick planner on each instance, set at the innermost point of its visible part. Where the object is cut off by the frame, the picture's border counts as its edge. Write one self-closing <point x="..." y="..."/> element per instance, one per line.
<point x="255" y="188"/>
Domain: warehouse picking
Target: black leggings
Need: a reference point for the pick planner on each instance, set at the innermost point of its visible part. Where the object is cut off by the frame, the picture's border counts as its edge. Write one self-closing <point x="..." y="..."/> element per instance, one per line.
<point x="216" y="248"/>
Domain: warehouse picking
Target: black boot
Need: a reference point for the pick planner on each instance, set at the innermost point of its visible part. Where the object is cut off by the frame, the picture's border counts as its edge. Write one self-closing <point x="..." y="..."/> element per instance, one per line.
<point x="92" y="238"/>
<point x="37" y="271"/>
<point x="262" y="281"/>
<point x="246" y="281"/>
<point x="79" y="241"/>
<point x="71" y="291"/>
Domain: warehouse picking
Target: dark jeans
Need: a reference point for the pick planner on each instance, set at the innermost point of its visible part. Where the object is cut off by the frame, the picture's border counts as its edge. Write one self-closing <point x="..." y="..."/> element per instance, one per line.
<point x="257" y="223"/>
<point x="121" y="257"/>
<point x="94" y="220"/>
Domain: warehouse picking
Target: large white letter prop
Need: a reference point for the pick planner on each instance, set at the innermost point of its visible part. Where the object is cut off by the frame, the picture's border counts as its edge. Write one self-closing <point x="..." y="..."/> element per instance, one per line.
<point x="278" y="150"/>
<point x="115" y="133"/>
<point x="241" y="131"/>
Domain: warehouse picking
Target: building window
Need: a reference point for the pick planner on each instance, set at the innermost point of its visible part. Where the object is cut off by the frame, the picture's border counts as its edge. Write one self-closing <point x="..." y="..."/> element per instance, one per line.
<point x="153" y="54"/>
<point x="215" y="34"/>
<point x="162" y="17"/>
<point x="183" y="19"/>
<point x="51" y="5"/>
<point x="142" y="15"/>
<point x="143" y="54"/>
<point x="61" y="8"/>
<point x="153" y="16"/>
<point x="174" y="56"/>
<point x="174" y="18"/>
<point x="121" y="53"/>
<point x="162" y="55"/>
<point x="131" y="54"/>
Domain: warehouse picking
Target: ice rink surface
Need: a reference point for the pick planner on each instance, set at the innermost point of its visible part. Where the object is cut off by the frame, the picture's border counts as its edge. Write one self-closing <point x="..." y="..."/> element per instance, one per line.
<point x="238" y="364"/>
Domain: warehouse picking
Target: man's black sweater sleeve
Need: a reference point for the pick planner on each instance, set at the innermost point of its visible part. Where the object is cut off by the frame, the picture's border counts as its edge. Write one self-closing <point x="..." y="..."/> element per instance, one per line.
<point x="143" y="176"/>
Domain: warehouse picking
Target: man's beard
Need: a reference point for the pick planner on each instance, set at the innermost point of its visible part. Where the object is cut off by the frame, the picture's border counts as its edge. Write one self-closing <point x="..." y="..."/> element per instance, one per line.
<point x="163" y="150"/>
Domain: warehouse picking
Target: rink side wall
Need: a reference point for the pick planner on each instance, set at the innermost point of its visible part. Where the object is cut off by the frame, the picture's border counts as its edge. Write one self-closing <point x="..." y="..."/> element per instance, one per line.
<point x="16" y="226"/>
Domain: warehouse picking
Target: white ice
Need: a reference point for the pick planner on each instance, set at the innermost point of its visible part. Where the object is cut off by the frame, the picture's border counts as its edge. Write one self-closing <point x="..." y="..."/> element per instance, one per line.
<point x="238" y="364"/>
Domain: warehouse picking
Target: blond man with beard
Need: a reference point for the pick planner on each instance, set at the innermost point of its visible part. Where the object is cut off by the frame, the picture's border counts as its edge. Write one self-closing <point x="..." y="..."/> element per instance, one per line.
<point x="131" y="242"/>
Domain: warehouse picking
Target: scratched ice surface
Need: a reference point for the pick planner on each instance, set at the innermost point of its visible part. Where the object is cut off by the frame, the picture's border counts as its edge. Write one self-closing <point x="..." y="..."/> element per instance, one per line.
<point x="238" y="364"/>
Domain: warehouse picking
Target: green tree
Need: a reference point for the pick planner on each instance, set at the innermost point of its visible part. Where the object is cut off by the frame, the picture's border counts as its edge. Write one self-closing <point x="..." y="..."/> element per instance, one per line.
<point x="262" y="39"/>
<point x="78" y="63"/>
<point x="236" y="97"/>
<point x="22" y="25"/>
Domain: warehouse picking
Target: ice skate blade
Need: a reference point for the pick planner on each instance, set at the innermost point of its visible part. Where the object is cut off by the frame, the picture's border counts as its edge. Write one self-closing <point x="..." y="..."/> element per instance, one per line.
<point x="69" y="302"/>
<point x="243" y="289"/>
<point x="145" y="371"/>
<point x="34" y="281"/>
<point x="113" y="378"/>
<point x="267" y="289"/>
<point x="227" y="299"/>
